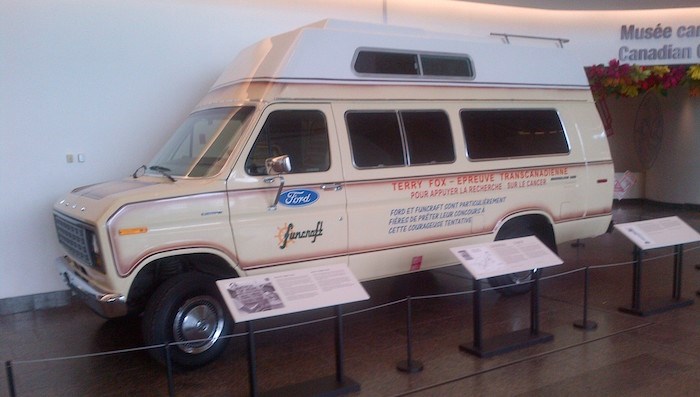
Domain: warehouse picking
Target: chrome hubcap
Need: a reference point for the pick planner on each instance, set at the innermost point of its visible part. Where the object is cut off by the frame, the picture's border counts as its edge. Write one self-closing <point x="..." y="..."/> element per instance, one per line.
<point x="199" y="322"/>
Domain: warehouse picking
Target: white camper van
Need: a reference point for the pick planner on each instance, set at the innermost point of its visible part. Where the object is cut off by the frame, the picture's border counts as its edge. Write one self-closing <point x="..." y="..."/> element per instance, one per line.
<point x="374" y="146"/>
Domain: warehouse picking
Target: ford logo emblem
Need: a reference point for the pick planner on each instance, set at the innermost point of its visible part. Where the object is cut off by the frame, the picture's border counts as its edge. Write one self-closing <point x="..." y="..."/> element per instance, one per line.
<point x="298" y="197"/>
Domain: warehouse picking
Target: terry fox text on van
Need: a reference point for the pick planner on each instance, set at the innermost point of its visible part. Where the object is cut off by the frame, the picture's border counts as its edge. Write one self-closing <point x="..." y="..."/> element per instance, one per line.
<point x="475" y="183"/>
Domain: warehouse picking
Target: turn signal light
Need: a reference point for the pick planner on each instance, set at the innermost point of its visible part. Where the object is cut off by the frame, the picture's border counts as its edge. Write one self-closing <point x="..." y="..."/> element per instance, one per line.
<point x="133" y="230"/>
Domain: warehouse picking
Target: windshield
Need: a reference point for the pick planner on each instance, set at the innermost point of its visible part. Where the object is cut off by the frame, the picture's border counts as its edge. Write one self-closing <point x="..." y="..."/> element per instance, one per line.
<point x="202" y="144"/>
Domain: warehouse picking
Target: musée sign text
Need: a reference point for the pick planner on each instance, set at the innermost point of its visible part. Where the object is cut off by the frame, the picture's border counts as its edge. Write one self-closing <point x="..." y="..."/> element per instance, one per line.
<point x="665" y="51"/>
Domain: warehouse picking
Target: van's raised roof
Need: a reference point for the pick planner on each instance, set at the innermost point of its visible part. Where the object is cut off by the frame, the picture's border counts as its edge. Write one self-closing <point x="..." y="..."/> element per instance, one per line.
<point x="326" y="52"/>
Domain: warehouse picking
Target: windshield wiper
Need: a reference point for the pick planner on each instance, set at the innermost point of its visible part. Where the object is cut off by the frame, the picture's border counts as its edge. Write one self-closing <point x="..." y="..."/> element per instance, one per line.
<point x="163" y="171"/>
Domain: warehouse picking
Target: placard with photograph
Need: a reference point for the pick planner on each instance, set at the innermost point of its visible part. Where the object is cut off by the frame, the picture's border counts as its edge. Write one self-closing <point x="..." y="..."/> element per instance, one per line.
<point x="505" y="256"/>
<point x="273" y="294"/>
<point x="660" y="232"/>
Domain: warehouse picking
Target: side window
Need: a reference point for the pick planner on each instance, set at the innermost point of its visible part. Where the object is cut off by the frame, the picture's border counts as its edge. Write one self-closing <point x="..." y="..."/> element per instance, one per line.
<point x="498" y="134"/>
<point x="429" y="137"/>
<point x="375" y="139"/>
<point x="300" y="134"/>
<point x="399" y="138"/>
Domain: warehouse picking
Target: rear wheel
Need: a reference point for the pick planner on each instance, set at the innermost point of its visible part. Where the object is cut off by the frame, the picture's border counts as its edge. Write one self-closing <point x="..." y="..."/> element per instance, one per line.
<point x="529" y="225"/>
<point x="187" y="310"/>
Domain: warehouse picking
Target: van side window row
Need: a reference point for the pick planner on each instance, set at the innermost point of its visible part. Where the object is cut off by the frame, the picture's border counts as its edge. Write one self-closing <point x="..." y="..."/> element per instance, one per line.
<point x="404" y="138"/>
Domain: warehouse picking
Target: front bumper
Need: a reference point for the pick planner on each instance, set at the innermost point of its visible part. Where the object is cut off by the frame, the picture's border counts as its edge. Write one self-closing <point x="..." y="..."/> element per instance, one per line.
<point x="105" y="304"/>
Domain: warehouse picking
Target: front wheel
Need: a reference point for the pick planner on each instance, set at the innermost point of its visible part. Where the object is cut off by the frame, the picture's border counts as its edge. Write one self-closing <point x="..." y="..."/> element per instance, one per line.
<point x="187" y="311"/>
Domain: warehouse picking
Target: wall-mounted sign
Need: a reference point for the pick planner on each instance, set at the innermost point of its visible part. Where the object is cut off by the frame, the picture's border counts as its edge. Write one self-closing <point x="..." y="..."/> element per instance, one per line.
<point x="678" y="44"/>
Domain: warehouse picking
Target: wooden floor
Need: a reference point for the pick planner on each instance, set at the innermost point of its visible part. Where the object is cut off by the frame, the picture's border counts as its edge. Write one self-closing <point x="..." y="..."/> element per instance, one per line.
<point x="55" y="352"/>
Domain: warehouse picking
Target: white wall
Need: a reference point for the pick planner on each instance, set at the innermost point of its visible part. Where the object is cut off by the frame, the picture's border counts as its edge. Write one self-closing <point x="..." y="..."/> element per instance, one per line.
<point x="111" y="79"/>
<point x="675" y="175"/>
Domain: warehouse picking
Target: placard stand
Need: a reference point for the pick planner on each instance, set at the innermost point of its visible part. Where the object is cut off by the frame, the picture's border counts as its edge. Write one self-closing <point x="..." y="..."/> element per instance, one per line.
<point x="511" y="341"/>
<point x="328" y="386"/>
<point x="499" y="258"/>
<point x="273" y="294"/>
<point x="659" y="305"/>
<point x="652" y="234"/>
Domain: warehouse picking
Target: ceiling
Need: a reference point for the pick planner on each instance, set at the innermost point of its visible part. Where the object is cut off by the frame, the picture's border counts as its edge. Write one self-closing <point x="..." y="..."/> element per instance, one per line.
<point x="594" y="4"/>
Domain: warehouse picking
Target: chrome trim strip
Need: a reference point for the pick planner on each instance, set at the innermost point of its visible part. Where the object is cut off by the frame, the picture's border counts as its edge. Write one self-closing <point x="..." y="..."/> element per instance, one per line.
<point x="108" y="305"/>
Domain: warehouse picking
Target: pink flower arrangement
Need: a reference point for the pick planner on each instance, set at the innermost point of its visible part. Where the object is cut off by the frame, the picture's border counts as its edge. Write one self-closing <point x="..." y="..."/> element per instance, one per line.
<point x="625" y="80"/>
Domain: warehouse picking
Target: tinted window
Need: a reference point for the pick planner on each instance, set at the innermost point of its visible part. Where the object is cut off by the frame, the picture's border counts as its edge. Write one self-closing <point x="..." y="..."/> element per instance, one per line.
<point x="492" y="134"/>
<point x="428" y="137"/>
<point x="375" y="138"/>
<point x="397" y="63"/>
<point x="437" y="65"/>
<point x="386" y="63"/>
<point x="300" y="134"/>
<point x="391" y="138"/>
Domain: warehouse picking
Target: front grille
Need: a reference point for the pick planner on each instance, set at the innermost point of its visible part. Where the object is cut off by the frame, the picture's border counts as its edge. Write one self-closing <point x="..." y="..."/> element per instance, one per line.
<point x="76" y="239"/>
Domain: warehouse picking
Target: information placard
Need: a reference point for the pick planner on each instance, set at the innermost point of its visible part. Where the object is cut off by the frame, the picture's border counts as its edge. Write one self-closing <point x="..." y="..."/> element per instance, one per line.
<point x="505" y="256"/>
<point x="660" y="232"/>
<point x="273" y="294"/>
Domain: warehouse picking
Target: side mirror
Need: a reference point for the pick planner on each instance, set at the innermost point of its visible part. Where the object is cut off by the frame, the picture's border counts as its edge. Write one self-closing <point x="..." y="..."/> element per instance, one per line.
<point x="278" y="165"/>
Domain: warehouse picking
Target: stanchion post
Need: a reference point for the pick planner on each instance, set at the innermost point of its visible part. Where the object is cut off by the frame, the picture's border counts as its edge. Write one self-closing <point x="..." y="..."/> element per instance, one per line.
<point x="677" y="269"/>
<point x="637" y="279"/>
<point x="10" y="379"/>
<point x="252" y="381"/>
<point x="409" y="365"/>
<point x="477" y="314"/>
<point x="343" y="385"/>
<point x="534" y="304"/>
<point x="169" y="369"/>
<point x="339" y="351"/>
<point x="585" y="324"/>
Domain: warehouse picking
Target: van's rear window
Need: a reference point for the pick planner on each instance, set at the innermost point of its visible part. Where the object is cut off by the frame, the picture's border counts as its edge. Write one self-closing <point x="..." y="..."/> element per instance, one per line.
<point x="421" y="65"/>
<point x="386" y="63"/>
<point x="507" y="133"/>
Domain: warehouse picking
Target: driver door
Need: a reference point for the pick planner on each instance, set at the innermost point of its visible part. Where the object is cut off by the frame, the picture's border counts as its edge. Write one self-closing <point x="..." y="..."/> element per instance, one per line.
<point x="309" y="221"/>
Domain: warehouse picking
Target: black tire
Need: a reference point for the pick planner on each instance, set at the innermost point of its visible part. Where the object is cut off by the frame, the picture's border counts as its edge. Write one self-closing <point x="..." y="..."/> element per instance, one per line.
<point x="530" y="225"/>
<point x="187" y="310"/>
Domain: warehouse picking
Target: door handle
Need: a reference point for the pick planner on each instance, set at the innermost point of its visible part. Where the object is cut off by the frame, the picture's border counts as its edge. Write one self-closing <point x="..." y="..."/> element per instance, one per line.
<point x="332" y="187"/>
